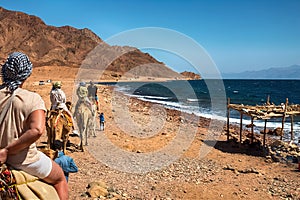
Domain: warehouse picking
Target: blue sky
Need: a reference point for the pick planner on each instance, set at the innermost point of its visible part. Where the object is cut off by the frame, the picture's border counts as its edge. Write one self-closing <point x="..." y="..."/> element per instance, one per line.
<point x="239" y="35"/>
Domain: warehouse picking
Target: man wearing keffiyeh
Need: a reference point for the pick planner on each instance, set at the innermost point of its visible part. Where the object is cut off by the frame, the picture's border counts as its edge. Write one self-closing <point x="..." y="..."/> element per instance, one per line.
<point x="22" y="123"/>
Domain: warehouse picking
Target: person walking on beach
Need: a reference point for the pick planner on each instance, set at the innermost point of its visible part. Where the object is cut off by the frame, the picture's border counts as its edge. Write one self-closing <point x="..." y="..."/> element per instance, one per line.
<point x="22" y="123"/>
<point x="65" y="162"/>
<point x="101" y="118"/>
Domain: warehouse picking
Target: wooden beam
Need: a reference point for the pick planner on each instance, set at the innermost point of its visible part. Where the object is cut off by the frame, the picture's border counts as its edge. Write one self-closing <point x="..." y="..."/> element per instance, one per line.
<point x="283" y="117"/>
<point x="292" y="127"/>
<point x="252" y="132"/>
<point x="241" y="127"/>
<point x="228" y="116"/>
<point x="265" y="130"/>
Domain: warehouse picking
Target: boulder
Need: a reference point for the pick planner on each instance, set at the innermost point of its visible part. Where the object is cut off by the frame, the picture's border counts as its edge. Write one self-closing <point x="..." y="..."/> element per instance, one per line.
<point x="97" y="189"/>
<point x="268" y="132"/>
<point x="277" y="131"/>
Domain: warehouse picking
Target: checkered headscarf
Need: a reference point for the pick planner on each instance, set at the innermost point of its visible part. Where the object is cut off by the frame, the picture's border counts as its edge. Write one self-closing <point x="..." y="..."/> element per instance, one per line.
<point x="15" y="70"/>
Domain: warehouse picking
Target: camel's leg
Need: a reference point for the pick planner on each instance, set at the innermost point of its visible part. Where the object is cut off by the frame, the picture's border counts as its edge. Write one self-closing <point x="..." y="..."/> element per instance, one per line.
<point x="65" y="146"/>
<point x="85" y="128"/>
<point x="65" y="140"/>
<point x="81" y="138"/>
<point x="81" y="142"/>
<point x="52" y="137"/>
<point x="49" y="137"/>
<point x="91" y="128"/>
<point x="86" y="135"/>
<point x="94" y="126"/>
<point x="51" y="131"/>
<point x="80" y="126"/>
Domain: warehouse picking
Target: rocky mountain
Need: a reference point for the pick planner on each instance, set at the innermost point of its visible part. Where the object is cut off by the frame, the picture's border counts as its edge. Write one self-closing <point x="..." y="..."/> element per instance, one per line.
<point x="67" y="46"/>
<point x="191" y="75"/>
<point x="45" y="45"/>
<point x="291" y="72"/>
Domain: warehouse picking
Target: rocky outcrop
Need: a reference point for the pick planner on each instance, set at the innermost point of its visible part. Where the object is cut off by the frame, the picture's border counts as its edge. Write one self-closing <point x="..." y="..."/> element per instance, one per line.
<point x="282" y="151"/>
<point x="190" y="75"/>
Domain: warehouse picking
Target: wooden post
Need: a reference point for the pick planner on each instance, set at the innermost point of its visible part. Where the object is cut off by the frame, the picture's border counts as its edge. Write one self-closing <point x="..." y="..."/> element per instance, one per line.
<point x="265" y="130"/>
<point x="268" y="100"/>
<point x="252" y="133"/>
<point x="292" y="128"/>
<point x="241" y="127"/>
<point x="283" y="117"/>
<point x="228" y="116"/>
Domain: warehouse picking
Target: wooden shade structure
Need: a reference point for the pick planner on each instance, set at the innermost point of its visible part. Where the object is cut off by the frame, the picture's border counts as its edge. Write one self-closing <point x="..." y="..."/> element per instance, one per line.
<point x="264" y="112"/>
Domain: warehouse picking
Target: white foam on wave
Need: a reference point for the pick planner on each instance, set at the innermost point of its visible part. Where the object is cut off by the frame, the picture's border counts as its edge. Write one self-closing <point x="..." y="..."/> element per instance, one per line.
<point x="192" y="100"/>
<point x="123" y="88"/>
<point x="158" y="97"/>
<point x="182" y="107"/>
<point x="158" y="101"/>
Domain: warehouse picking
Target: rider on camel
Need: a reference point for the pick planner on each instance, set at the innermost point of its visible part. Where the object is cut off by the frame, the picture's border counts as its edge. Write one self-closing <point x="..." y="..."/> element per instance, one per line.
<point x="92" y="93"/>
<point x="82" y="93"/>
<point x="58" y="101"/>
<point x="23" y="123"/>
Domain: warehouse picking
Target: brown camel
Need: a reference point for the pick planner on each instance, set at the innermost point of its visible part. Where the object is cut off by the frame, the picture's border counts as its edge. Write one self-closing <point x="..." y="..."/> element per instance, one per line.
<point x="58" y="125"/>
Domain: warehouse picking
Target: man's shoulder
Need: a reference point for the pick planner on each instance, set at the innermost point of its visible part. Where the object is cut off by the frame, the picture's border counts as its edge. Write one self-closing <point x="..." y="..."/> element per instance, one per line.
<point x="23" y="92"/>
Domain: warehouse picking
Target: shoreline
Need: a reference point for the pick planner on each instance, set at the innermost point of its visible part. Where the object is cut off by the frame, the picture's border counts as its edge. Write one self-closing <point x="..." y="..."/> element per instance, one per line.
<point x="234" y="122"/>
<point x="178" y="116"/>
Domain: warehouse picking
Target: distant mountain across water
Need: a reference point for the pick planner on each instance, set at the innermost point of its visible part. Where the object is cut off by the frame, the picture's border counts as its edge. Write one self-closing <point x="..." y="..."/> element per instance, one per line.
<point x="291" y="72"/>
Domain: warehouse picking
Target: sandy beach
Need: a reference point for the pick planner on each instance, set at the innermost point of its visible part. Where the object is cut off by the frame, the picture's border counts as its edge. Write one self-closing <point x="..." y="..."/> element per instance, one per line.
<point x="176" y="169"/>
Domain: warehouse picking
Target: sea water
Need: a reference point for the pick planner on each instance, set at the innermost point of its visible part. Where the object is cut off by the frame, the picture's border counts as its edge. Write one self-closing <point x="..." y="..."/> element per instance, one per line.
<point x="208" y="98"/>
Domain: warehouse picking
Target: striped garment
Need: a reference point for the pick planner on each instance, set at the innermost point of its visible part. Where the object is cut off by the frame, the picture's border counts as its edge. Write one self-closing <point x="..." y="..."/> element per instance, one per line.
<point x="15" y="70"/>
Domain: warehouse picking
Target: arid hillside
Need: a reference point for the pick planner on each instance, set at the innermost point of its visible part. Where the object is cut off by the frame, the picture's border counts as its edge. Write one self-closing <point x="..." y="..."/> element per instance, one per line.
<point x="45" y="45"/>
<point x="67" y="46"/>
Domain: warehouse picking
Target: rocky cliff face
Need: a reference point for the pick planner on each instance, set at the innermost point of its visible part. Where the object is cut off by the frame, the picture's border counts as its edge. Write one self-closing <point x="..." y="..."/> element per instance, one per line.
<point x="67" y="46"/>
<point x="191" y="75"/>
<point x="45" y="45"/>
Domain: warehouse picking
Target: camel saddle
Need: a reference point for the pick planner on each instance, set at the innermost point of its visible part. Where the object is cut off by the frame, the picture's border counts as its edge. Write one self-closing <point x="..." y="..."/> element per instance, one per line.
<point x="19" y="185"/>
<point x="64" y="114"/>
